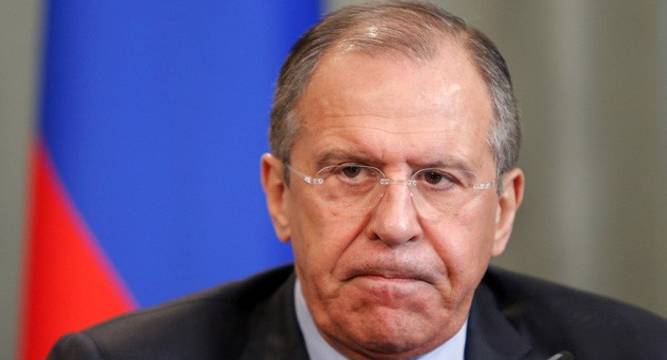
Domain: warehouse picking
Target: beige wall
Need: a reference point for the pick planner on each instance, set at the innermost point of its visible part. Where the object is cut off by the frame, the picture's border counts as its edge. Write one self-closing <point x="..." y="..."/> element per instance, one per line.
<point x="659" y="258"/>
<point x="587" y="77"/>
<point x="592" y="83"/>
<point x="18" y="62"/>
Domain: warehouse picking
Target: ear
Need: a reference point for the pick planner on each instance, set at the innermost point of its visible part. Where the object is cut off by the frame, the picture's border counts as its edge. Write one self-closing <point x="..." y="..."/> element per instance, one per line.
<point x="274" y="190"/>
<point x="508" y="204"/>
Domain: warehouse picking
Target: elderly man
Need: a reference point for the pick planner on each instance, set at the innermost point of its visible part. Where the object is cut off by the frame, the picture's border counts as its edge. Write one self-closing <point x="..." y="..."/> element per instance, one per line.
<point x="394" y="137"/>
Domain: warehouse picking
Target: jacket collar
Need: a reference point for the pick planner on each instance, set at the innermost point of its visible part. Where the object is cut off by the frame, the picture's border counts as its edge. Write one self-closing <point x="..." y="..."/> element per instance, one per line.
<point x="273" y="329"/>
<point x="490" y="334"/>
<point x="274" y="332"/>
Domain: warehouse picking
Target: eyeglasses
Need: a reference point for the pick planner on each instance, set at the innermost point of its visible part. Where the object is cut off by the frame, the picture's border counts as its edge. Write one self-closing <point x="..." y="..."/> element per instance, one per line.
<point x="358" y="188"/>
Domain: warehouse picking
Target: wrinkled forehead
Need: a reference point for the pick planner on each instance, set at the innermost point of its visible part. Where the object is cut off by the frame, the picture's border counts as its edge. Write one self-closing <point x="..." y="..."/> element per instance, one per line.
<point x="445" y="88"/>
<point x="396" y="100"/>
<point x="393" y="82"/>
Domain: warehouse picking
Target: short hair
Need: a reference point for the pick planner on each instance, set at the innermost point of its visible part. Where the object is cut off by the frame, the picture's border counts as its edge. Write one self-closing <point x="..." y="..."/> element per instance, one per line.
<point x="409" y="28"/>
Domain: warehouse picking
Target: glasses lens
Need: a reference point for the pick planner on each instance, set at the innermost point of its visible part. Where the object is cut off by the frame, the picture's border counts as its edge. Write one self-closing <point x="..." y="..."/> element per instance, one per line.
<point x="356" y="189"/>
<point x="439" y="192"/>
<point x="352" y="187"/>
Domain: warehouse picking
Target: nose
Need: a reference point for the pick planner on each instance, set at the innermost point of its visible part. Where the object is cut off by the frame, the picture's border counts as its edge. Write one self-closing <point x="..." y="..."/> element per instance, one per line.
<point x="394" y="221"/>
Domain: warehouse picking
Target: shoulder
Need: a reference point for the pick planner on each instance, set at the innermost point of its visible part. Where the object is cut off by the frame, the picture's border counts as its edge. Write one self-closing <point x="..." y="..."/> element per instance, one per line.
<point x="555" y="316"/>
<point x="212" y="321"/>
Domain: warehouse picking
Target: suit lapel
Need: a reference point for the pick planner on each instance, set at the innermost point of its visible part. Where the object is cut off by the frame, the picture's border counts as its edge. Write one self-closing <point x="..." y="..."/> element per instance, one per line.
<point x="273" y="331"/>
<point x="490" y="335"/>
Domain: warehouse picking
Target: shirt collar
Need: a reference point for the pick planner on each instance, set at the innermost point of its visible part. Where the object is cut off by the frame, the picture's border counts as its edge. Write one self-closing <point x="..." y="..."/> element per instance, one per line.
<point x="318" y="348"/>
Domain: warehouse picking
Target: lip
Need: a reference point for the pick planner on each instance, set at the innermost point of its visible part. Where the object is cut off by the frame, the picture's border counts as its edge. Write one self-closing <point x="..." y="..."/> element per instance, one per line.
<point x="385" y="279"/>
<point x="393" y="291"/>
<point x="388" y="274"/>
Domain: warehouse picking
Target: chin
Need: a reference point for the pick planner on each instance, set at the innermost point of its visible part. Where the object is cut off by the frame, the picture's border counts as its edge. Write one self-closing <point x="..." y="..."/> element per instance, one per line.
<point x="389" y="332"/>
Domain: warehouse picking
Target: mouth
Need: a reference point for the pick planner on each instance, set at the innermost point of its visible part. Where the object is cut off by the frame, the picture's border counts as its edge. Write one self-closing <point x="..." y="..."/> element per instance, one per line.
<point x="388" y="274"/>
<point x="388" y="287"/>
<point x="374" y="281"/>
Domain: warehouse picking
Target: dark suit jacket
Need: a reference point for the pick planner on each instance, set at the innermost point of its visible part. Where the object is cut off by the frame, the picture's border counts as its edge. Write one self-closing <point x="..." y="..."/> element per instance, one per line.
<point x="512" y="317"/>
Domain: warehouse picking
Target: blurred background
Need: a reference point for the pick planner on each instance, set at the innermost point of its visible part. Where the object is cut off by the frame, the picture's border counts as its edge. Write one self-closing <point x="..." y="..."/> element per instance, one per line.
<point x="591" y="79"/>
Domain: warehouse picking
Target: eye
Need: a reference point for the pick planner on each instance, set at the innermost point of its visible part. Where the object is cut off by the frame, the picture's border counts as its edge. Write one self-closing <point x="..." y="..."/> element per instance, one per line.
<point x="350" y="171"/>
<point x="436" y="179"/>
<point x="353" y="174"/>
<point x="433" y="177"/>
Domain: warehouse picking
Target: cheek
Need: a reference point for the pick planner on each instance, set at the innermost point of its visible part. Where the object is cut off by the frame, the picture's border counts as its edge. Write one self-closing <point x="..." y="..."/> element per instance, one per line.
<point x="464" y="242"/>
<point x="319" y="237"/>
<point x="476" y="223"/>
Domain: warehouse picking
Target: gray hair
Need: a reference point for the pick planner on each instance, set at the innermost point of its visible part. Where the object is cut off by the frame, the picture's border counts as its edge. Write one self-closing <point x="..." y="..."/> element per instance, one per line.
<point x="408" y="28"/>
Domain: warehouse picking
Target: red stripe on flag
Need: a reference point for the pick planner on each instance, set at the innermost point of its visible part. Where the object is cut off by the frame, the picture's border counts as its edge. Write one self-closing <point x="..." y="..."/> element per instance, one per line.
<point x="69" y="283"/>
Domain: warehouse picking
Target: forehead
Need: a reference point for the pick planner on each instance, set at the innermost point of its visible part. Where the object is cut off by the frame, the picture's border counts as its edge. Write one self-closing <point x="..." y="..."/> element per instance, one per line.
<point x="396" y="106"/>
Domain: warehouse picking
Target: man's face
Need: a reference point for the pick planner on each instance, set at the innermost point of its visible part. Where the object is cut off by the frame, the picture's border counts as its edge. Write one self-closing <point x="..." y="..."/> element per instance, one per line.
<point x="391" y="281"/>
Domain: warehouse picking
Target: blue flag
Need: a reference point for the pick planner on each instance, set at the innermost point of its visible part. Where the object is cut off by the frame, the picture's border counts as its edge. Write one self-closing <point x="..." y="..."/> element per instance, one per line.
<point x="154" y="115"/>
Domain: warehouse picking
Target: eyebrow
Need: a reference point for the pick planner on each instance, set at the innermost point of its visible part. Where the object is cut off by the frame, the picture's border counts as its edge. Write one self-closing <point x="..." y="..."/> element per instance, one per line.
<point x="333" y="156"/>
<point x="449" y="162"/>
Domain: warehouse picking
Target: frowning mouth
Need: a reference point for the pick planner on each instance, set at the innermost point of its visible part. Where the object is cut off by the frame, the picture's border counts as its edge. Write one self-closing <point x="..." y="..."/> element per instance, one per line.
<point x="388" y="287"/>
<point x="387" y="280"/>
<point x="388" y="274"/>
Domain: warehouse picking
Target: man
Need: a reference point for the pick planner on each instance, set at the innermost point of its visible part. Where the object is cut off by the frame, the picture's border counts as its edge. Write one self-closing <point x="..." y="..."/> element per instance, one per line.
<point x="394" y="137"/>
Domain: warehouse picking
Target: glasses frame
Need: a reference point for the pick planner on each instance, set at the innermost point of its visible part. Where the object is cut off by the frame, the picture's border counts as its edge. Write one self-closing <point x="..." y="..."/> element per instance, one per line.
<point x="384" y="180"/>
<point x="419" y="200"/>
